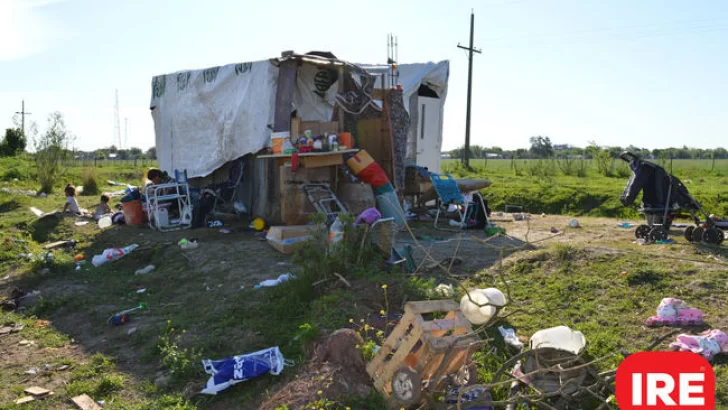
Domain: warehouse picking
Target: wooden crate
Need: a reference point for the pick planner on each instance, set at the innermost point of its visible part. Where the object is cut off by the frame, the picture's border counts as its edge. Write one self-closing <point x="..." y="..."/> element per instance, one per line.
<point x="433" y="348"/>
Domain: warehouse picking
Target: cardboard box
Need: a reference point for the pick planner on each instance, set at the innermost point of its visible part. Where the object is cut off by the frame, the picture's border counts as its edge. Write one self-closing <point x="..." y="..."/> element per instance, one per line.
<point x="287" y="239"/>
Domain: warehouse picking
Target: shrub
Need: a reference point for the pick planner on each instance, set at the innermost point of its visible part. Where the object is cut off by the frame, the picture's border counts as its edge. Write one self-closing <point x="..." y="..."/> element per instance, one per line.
<point x="88" y="179"/>
<point x="51" y="152"/>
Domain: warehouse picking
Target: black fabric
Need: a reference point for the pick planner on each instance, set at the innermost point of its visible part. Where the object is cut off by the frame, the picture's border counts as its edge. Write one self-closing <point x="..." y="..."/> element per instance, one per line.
<point x="203" y="209"/>
<point x="477" y="213"/>
<point x="654" y="182"/>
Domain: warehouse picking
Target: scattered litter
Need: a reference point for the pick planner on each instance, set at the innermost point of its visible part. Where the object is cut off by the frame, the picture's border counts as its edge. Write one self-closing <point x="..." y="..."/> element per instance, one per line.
<point x="26" y="343"/>
<point x="674" y="312"/>
<point x="707" y="344"/>
<point x="105" y="222"/>
<point x="147" y="269"/>
<point x="38" y="392"/>
<point x="23" y="400"/>
<point x="32" y="371"/>
<point x="521" y="217"/>
<point x="62" y="368"/>
<point x="227" y="372"/>
<point x="131" y="331"/>
<point x="275" y="282"/>
<point x="668" y="241"/>
<point x="9" y="329"/>
<point x="42" y="195"/>
<point x="224" y="230"/>
<point x="214" y="224"/>
<point x="442" y="290"/>
<point x="509" y="335"/>
<point x="30" y="294"/>
<point x="554" y="230"/>
<point x="543" y="215"/>
<point x="281" y="263"/>
<point x="112" y="254"/>
<point x="242" y="287"/>
<point x="6" y="277"/>
<point x="84" y="402"/>
<point x="123" y="316"/>
<point x="41" y="323"/>
<point x="185" y="243"/>
<point x="37" y="212"/>
<point x="680" y="225"/>
<point x="78" y="257"/>
<point x="574" y="223"/>
<point x="80" y="223"/>
<point x="625" y="225"/>
<point x="68" y="243"/>
<point x="479" y="305"/>
<point x="472" y="395"/>
<point x="368" y="216"/>
<point x="141" y="290"/>
<point x="641" y="241"/>
<point x="559" y="337"/>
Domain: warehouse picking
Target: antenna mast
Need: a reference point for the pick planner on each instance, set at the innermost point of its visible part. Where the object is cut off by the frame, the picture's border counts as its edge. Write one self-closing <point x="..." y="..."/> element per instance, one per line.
<point x="117" y="127"/>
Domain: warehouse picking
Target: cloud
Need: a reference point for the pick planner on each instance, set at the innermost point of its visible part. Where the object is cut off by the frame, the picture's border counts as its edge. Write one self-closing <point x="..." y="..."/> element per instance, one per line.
<point x="25" y="28"/>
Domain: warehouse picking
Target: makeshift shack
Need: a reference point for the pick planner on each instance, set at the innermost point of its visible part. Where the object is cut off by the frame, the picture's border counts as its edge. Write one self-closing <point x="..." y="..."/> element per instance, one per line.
<point x="206" y="119"/>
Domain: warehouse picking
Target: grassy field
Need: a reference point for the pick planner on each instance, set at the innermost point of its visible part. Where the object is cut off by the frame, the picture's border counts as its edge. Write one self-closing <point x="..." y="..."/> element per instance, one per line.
<point x="202" y="302"/>
<point x="540" y="186"/>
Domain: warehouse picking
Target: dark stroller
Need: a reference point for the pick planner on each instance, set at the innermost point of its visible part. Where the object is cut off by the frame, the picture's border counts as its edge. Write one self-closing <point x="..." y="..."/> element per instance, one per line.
<point x="663" y="198"/>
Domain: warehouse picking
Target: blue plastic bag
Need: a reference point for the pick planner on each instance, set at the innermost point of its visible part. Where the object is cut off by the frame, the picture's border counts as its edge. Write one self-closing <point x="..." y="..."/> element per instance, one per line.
<point x="236" y="369"/>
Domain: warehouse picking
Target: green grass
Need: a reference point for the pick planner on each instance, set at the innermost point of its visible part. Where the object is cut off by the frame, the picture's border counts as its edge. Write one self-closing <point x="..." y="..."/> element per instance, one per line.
<point x="593" y="195"/>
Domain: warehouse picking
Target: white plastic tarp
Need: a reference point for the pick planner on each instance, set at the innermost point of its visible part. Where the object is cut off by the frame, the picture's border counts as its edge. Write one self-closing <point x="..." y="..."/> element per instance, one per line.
<point x="411" y="76"/>
<point x="205" y="118"/>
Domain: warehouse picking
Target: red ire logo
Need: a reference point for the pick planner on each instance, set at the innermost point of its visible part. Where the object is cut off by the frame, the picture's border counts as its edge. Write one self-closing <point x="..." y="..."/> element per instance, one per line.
<point x="665" y="380"/>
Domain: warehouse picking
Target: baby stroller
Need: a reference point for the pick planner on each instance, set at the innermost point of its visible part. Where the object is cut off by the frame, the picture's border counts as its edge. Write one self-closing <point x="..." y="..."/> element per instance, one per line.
<point x="663" y="198"/>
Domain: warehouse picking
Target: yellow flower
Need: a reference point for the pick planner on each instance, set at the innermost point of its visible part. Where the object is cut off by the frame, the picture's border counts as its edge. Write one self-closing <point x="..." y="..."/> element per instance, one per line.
<point x="319" y="392"/>
<point x="382" y="312"/>
<point x="351" y="320"/>
<point x="384" y="286"/>
<point x="361" y="320"/>
<point x="366" y="328"/>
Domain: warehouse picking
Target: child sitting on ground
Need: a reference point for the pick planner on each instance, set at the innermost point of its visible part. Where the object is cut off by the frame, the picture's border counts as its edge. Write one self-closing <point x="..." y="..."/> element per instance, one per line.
<point x="71" y="204"/>
<point x="102" y="208"/>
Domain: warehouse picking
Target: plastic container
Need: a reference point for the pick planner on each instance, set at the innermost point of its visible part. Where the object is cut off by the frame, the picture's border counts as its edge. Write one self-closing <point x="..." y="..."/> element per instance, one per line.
<point x="162" y="217"/>
<point x="336" y="232"/>
<point x="479" y="315"/>
<point x="346" y="140"/>
<point x="278" y="139"/>
<point x="133" y="214"/>
<point x="560" y="337"/>
<point x="389" y="206"/>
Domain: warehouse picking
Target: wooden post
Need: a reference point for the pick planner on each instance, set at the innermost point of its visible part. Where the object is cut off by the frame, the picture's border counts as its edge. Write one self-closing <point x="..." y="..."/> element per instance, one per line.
<point x="284" y="95"/>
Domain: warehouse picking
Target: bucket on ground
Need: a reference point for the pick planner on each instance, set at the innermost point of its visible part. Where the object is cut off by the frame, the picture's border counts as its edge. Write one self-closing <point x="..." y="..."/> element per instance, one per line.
<point x="133" y="214"/>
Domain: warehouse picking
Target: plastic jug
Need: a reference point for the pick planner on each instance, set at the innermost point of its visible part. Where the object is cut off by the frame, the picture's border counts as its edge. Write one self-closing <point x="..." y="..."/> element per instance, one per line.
<point x="479" y="315"/>
<point x="162" y="217"/>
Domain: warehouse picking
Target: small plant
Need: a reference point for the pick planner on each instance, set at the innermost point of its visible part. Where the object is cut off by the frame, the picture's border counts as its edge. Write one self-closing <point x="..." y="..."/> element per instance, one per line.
<point x="581" y="166"/>
<point x="51" y="151"/>
<point x="88" y="179"/>
<point x="180" y="362"/>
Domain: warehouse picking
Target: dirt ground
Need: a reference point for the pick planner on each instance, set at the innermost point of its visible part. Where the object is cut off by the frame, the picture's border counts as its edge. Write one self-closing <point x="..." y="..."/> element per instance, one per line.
<point x="219" y="277"/>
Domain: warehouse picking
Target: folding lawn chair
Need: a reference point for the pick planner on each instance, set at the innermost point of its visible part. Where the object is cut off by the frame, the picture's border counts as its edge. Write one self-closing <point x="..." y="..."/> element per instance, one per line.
<point x="448" y="193"/>
<point x="383" y="235"/>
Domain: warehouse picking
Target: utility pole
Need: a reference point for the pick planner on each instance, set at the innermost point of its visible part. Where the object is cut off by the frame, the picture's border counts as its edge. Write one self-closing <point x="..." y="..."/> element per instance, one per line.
<point x="22" y="116"/>
<point x="471" y="50"/>
<point x="117" y="127"/>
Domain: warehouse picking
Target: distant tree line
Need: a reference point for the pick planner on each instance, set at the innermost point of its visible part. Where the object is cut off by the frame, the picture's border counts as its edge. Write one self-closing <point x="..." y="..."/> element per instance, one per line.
<point x="542" y="147"/>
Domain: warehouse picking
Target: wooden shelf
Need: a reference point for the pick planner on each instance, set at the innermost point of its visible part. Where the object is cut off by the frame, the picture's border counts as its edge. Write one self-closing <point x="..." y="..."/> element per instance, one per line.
<point x="309" y="154"/>
<point x="313" y="159"/>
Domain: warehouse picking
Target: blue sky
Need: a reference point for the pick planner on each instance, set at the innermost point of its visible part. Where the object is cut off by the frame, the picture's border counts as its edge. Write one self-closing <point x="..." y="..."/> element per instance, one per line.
<point x="650" y="73"/>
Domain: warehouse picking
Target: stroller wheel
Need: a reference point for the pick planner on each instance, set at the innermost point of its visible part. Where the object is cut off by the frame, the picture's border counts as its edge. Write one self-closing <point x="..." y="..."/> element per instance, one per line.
<point x="698" y="234"/>
<point x="689" y="233"/>
<point x="642" y="232"/>
<point x="658" y="233"/>
<point x="712" y="235"/>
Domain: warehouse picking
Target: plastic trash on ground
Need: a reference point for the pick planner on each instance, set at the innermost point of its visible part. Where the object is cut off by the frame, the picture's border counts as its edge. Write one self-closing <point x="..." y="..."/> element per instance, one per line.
<point x="479" y="315"/>
<point x="559" y="337"/>
<point x="442" y="290"/>
<point x="232" y="370"/>
<point x="145" y="270"/>
<point x="275" y="282"/>
<point x="112" y="254"/>
<point x="368" y="216"/>
<point x="674" y="312"/>
<point x="509" y="335"/>
<point x="707" y="344"/>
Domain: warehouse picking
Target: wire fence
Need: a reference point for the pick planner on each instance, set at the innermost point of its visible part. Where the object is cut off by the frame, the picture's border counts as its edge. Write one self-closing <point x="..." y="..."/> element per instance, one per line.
<point x="137" y="162"/>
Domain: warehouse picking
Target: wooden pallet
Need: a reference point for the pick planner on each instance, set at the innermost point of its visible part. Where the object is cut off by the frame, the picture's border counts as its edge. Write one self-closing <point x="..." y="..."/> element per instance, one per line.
<point x="433" y="348"/>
